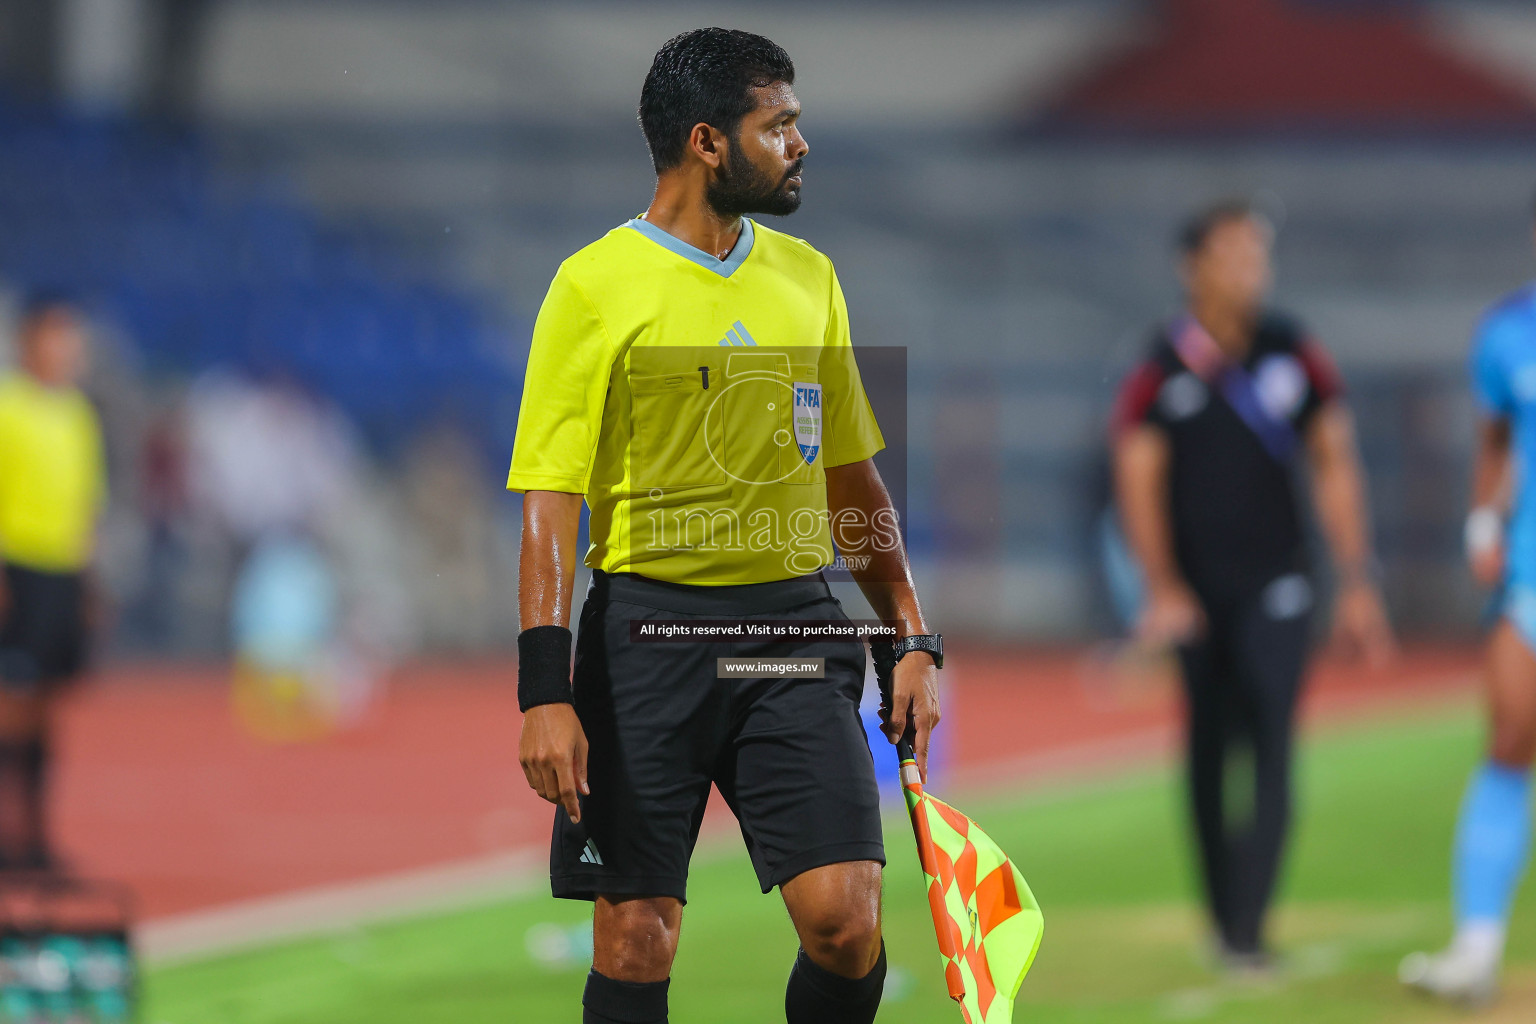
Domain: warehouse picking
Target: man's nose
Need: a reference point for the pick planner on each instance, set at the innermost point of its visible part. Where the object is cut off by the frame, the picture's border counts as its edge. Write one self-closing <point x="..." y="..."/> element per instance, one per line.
<point x="799" y="147"/>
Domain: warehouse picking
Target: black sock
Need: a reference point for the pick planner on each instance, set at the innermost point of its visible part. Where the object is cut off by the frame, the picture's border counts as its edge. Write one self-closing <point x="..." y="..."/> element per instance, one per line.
<point x="34" y="781"/>
<point x="624" y="1002"/>
<point x="817" y="996"/>
<point x="16" y="835"/>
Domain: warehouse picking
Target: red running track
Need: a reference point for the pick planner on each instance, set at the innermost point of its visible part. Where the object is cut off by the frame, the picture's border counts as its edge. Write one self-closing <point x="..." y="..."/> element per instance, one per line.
<point x="159" y="786"/>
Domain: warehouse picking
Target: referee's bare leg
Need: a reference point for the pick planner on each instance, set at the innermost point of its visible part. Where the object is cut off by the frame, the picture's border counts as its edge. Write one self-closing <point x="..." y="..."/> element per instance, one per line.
<point x="24" y="721"/>
<point x="841" y="964"/>
<point x="835" y="910"/>
<point x="634" y="938"/>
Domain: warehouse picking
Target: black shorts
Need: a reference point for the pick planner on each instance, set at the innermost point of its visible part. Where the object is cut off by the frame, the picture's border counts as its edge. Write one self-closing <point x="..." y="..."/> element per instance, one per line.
<point x="789" y="755"/>
<point x="42" y="631"/>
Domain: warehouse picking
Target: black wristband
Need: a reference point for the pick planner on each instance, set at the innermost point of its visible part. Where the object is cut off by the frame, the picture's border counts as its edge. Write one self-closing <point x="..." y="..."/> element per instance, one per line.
<point x="543" y="666"/>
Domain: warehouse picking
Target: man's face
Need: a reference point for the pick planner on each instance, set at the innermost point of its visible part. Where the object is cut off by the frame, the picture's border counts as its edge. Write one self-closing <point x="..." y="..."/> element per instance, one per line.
<point x="53" y="348"/>
<point x="761" y="172"/>
<point x="1233" y="267"/>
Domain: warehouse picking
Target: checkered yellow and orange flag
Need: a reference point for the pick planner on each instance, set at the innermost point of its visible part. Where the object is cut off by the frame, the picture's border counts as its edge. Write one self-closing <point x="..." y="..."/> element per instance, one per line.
<point x="987" y="921"/>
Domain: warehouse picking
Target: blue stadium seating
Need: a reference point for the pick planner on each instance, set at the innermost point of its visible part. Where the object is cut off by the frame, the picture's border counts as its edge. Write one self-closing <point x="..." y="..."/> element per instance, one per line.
<point x="202" y="268"/>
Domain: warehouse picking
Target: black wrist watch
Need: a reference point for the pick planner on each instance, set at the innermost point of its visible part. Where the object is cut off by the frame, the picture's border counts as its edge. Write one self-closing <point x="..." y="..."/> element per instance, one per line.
<point x="932" y="643"/>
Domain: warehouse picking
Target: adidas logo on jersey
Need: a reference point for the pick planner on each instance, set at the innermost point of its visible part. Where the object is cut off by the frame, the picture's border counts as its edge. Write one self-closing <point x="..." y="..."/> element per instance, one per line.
<point x="737" y="336"/>
<point x="589" y="854"/>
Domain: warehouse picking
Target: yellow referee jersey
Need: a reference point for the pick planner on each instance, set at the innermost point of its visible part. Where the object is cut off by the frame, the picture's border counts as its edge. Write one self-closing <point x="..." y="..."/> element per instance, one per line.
<point x="696" y="403"/>
<point x="52" y="476"/>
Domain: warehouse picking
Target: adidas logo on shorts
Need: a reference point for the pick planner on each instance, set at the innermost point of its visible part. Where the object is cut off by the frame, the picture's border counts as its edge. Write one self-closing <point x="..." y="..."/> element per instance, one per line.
<point x="589" y="854"/>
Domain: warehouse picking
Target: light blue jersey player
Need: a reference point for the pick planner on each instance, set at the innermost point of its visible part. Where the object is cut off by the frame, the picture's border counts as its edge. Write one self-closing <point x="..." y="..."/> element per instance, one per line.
<point x="1493" y="835"/>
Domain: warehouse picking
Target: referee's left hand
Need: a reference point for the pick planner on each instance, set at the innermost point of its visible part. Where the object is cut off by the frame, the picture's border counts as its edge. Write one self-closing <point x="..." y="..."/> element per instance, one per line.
<point x="914" y="705"/>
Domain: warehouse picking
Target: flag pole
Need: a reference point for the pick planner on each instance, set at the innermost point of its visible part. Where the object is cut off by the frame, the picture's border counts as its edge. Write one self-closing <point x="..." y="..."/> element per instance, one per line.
<point x="944" y="929"/>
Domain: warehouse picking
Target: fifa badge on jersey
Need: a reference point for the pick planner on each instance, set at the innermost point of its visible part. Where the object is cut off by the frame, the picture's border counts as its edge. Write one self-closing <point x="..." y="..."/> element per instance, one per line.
<point x="808" y="420"/>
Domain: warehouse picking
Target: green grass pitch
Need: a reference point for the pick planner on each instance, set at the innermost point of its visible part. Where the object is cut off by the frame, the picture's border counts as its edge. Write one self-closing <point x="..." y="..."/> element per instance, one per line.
<point x="1366" y="882"/>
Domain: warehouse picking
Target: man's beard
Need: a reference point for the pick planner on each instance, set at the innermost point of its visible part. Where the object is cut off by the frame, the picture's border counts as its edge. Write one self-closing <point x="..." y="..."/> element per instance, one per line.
<point x="743" y="188"/>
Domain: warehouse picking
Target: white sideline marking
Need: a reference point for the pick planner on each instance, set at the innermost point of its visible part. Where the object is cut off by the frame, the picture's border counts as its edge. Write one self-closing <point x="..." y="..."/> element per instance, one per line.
<point x="200" y="934"/>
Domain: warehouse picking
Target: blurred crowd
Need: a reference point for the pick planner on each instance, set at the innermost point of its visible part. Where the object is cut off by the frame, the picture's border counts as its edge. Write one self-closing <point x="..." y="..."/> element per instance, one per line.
<point x="231" y="489"/>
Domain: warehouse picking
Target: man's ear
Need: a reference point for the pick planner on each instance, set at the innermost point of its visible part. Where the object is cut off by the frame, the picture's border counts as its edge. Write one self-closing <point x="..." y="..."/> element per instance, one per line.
<point x="708" y="145"/>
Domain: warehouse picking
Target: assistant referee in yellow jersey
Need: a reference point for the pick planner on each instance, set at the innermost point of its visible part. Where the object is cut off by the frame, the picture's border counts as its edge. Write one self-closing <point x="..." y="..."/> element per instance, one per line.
<point x="692" y="379"/>
<point x="52" y="489"/>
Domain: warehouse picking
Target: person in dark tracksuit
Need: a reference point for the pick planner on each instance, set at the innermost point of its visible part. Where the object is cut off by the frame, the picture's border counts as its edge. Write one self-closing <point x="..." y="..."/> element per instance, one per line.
<point x="1210" y="434"/>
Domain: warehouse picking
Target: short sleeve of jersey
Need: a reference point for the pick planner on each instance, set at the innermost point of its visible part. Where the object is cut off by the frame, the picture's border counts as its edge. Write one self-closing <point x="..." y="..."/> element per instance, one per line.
<point x="1490" y="377"/>
<point x="1324" y="381"/>
<point x="1136" y="403"/>
<point x="100" y="488"/>
<point x="564" y="390"/>
<point x="852" y="435"/>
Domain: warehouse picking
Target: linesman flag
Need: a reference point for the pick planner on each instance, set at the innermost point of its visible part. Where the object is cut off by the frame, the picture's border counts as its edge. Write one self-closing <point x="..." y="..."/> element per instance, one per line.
<point x="987" y="921"/>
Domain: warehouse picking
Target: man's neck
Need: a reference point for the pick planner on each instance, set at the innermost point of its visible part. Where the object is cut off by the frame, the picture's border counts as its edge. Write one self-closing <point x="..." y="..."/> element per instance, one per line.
<point x="679" y="209"/>
<point x="39" y="380"/>
<point x="1229" y="326"/>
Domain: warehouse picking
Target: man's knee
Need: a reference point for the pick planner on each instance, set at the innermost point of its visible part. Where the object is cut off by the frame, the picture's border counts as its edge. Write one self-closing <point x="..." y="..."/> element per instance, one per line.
<point x="837" y="914"/>
<point x="635" y="938"/>
<point x="845" y="940"/>
<point x="1512" y="697"/>
<point x="1512" y="739"/>
<point x="1513" y="744"/>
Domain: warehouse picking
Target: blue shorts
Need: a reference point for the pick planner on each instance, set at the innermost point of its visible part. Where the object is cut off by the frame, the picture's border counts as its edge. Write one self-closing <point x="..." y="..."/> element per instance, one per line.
<point x="1519" y="607"/>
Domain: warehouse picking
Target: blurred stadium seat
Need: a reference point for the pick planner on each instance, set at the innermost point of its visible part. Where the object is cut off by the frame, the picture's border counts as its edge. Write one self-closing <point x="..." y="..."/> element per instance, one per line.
<point x="373" y="202"/>
<point x="204" y="269"/>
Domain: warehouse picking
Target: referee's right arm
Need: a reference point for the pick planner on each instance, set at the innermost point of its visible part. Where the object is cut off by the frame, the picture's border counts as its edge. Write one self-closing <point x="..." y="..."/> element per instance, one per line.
<point x="558" y="426"/>
<point x="553" y="748"/>
<point x="1141" y="453"/>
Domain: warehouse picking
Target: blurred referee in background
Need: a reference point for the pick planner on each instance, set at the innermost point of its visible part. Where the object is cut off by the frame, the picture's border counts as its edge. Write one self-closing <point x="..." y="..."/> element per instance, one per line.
<point x="52" y="489"/>
<point x="1210" y="433"/>
<point x="646" y="339"/>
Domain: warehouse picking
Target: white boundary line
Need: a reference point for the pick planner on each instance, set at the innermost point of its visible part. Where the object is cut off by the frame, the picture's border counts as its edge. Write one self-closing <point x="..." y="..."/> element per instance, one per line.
<point x="331" y="909"/>
<point x="202" y="934"/>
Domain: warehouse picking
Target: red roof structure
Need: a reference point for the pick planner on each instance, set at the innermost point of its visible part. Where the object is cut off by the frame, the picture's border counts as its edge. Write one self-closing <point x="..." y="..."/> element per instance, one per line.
<point x="1261" y="65"/>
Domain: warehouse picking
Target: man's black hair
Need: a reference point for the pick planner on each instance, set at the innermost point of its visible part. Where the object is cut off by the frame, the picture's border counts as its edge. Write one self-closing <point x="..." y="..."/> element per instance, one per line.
<point x="39" y="302"/>
<point x="1196" y="231"/>
<point x="705" y="76"/>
